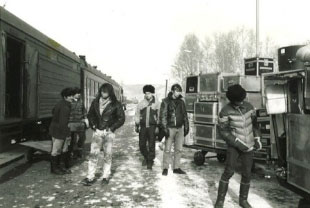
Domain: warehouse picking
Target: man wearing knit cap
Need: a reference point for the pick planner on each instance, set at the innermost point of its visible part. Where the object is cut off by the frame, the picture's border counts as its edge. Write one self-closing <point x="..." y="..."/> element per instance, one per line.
<point x="146" y="120"/>
<point x="238" y="127"/>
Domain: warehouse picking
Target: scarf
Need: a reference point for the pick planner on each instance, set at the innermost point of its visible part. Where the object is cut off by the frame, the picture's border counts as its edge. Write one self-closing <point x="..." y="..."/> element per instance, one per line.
<point x="103" y="103"/>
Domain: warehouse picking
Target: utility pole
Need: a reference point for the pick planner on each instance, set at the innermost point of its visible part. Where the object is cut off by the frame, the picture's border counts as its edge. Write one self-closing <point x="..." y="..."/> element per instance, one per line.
<point x="257" y="28"/>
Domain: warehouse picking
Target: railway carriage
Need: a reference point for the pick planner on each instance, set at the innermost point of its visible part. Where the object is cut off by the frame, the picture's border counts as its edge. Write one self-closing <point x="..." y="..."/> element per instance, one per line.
<point x="33" y="70"/>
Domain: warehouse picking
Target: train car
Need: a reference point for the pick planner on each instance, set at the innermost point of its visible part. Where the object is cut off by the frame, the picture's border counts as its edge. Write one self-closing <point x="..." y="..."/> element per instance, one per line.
<point x="92" y="79"/>
<point x="33" y="70"/>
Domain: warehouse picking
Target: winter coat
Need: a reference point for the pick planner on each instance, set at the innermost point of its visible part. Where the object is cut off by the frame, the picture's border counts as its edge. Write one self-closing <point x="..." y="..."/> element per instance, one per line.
<point x="59" y="125"/>
<point x="147" y="113"/>
<point x="112" y="117"/>
<point x="173" y="113"/>
<point x="78" y="111"/>
<point x="238" y="122"/>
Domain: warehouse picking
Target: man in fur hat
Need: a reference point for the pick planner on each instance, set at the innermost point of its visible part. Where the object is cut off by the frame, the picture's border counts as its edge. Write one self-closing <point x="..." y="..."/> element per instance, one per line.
<point x="146" y="119"/>
<point x="238" y="127"/>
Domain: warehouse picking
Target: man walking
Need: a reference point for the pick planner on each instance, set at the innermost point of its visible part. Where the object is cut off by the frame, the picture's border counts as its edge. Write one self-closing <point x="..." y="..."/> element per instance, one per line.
<point x="146" y="120"/>
<point x="105" y="115"/>
<point x="238" y="127"/>
<point x="174" y="121"/>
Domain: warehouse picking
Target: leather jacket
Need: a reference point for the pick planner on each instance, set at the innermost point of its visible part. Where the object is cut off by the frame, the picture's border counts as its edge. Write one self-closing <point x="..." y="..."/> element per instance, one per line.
<point x="112" y="117"/>
<point x="173" y="114"/>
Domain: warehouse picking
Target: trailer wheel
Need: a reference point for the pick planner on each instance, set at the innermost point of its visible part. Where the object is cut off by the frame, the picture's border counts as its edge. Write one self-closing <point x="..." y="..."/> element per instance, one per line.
<point x="29" y="155"/>
<point x="204" y="153"/>
<point x="199" y="158"/>
<point x="221" y="157"/>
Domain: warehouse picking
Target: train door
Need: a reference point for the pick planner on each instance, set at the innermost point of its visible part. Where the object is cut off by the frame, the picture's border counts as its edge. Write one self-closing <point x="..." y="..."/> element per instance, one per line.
<point x="30" y="82"/>
<point x="14" y="78"/>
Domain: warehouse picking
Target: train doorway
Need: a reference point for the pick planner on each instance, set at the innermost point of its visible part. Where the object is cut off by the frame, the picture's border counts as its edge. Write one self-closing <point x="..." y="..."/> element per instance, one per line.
<point x="14" y="78"/>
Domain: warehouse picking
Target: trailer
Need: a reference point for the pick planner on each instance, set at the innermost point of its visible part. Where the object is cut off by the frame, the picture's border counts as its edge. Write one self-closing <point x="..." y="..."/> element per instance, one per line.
<point x="205" y="96"/>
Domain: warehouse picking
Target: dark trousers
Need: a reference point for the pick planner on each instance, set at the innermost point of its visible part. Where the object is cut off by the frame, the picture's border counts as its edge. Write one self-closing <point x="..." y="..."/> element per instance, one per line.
<point x="232" y="157"/>
<point x="77" y="140"/>
<point x="147" y="142"/>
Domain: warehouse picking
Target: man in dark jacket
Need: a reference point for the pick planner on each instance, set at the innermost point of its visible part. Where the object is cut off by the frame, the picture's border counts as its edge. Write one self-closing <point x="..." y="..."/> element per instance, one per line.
<point x="77" y="124"/>
<point x="146" y="120"/>
<point x="174" y="121"/>
<point x="105" y="115"/>
<point x="60" y="132"/>
<point x="238" y="127"/>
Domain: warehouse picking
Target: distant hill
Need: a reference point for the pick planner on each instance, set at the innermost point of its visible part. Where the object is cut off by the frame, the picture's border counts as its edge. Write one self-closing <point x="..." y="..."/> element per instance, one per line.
<point x="135" y="91"/>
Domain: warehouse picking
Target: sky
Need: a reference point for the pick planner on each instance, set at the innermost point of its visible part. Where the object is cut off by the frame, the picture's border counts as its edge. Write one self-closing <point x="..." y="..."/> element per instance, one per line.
<point x="136" y="41"/>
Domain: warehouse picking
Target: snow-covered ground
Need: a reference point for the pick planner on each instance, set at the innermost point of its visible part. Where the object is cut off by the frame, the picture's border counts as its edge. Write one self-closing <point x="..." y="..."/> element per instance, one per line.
<point x="131" y="185"/>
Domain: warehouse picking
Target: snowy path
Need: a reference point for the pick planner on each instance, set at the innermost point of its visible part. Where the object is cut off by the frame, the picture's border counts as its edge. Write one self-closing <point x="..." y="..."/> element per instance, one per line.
<point x="133" y="185"/>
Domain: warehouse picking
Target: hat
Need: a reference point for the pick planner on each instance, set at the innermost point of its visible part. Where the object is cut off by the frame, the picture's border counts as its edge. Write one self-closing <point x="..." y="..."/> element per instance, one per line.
<point x="148" y="88"/>
<point x="236" y="93"/>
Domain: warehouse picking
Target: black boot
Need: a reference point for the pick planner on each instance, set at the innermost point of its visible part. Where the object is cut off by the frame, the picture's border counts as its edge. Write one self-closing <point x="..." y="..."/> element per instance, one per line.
<point x="223" y="187"/>
<point x="144" y="162"/>
<point x="66" y="159"/>
<point x="243" y="195"/>
<point x="149" y="165"/>
<point x="55" y="169"/>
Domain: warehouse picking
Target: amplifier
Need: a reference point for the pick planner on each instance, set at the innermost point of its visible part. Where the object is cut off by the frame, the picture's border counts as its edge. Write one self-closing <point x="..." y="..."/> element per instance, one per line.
<point x="249" y="83"/>
<point x="192" y="84"/>
<point x="206" y="112"/>
<point x="209" y="82"/>
<point x="190" y="100"/>
<point x="204" y="135"/>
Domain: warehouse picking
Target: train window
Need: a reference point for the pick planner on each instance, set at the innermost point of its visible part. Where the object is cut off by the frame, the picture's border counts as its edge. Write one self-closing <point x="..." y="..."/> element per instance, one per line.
<point x="88" y="86"/>
<point x="91" y="87"/>
<point x="96" y="88"/>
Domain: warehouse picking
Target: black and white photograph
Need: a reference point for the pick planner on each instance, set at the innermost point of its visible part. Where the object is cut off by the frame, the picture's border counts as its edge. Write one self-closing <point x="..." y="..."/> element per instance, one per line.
<point x="154" y="104"/>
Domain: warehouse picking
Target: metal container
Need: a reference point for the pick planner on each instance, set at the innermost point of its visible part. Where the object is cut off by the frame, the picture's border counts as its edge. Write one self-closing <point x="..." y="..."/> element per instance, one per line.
<point x="219" y="142"/>
<point x="206" y="112"/>
<point x="209" y="83"/>
<point x="287" y="58"/>
<point x="276" y="99"/>
<point x="265" y="65"/>
<point x="255" y="99"/>
<point x="249" y="83"/>
<point x="190" y="100"/>
<point x="204" y="135"/>
<point x="298" y="154"/>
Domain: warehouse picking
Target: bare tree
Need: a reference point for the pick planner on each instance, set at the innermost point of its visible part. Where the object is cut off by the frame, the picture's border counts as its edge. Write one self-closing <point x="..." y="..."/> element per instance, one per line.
<point x="189" y="59"/>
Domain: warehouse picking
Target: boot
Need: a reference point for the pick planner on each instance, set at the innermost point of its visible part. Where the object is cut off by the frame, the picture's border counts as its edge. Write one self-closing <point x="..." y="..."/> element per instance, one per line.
<point x="144" y="162"/>
<point x="223" y="187"/>
<point x="149" y="165"/>
<point x="66" y="159"/>
<point x="55" y="167"/>
<point x="243" y="195"/>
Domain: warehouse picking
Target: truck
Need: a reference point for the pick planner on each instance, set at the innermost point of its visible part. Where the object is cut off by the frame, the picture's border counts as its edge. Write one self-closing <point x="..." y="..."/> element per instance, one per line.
<point x="286" y="96"/>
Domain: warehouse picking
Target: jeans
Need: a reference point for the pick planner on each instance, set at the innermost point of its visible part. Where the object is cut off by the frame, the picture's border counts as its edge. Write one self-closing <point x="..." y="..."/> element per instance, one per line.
<point x="231" y="161"/>
<point x="147" y="142"/>
<point x="60" y="145"/>
<point x="176" y="136"/>
<point x="101" y="146"/>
